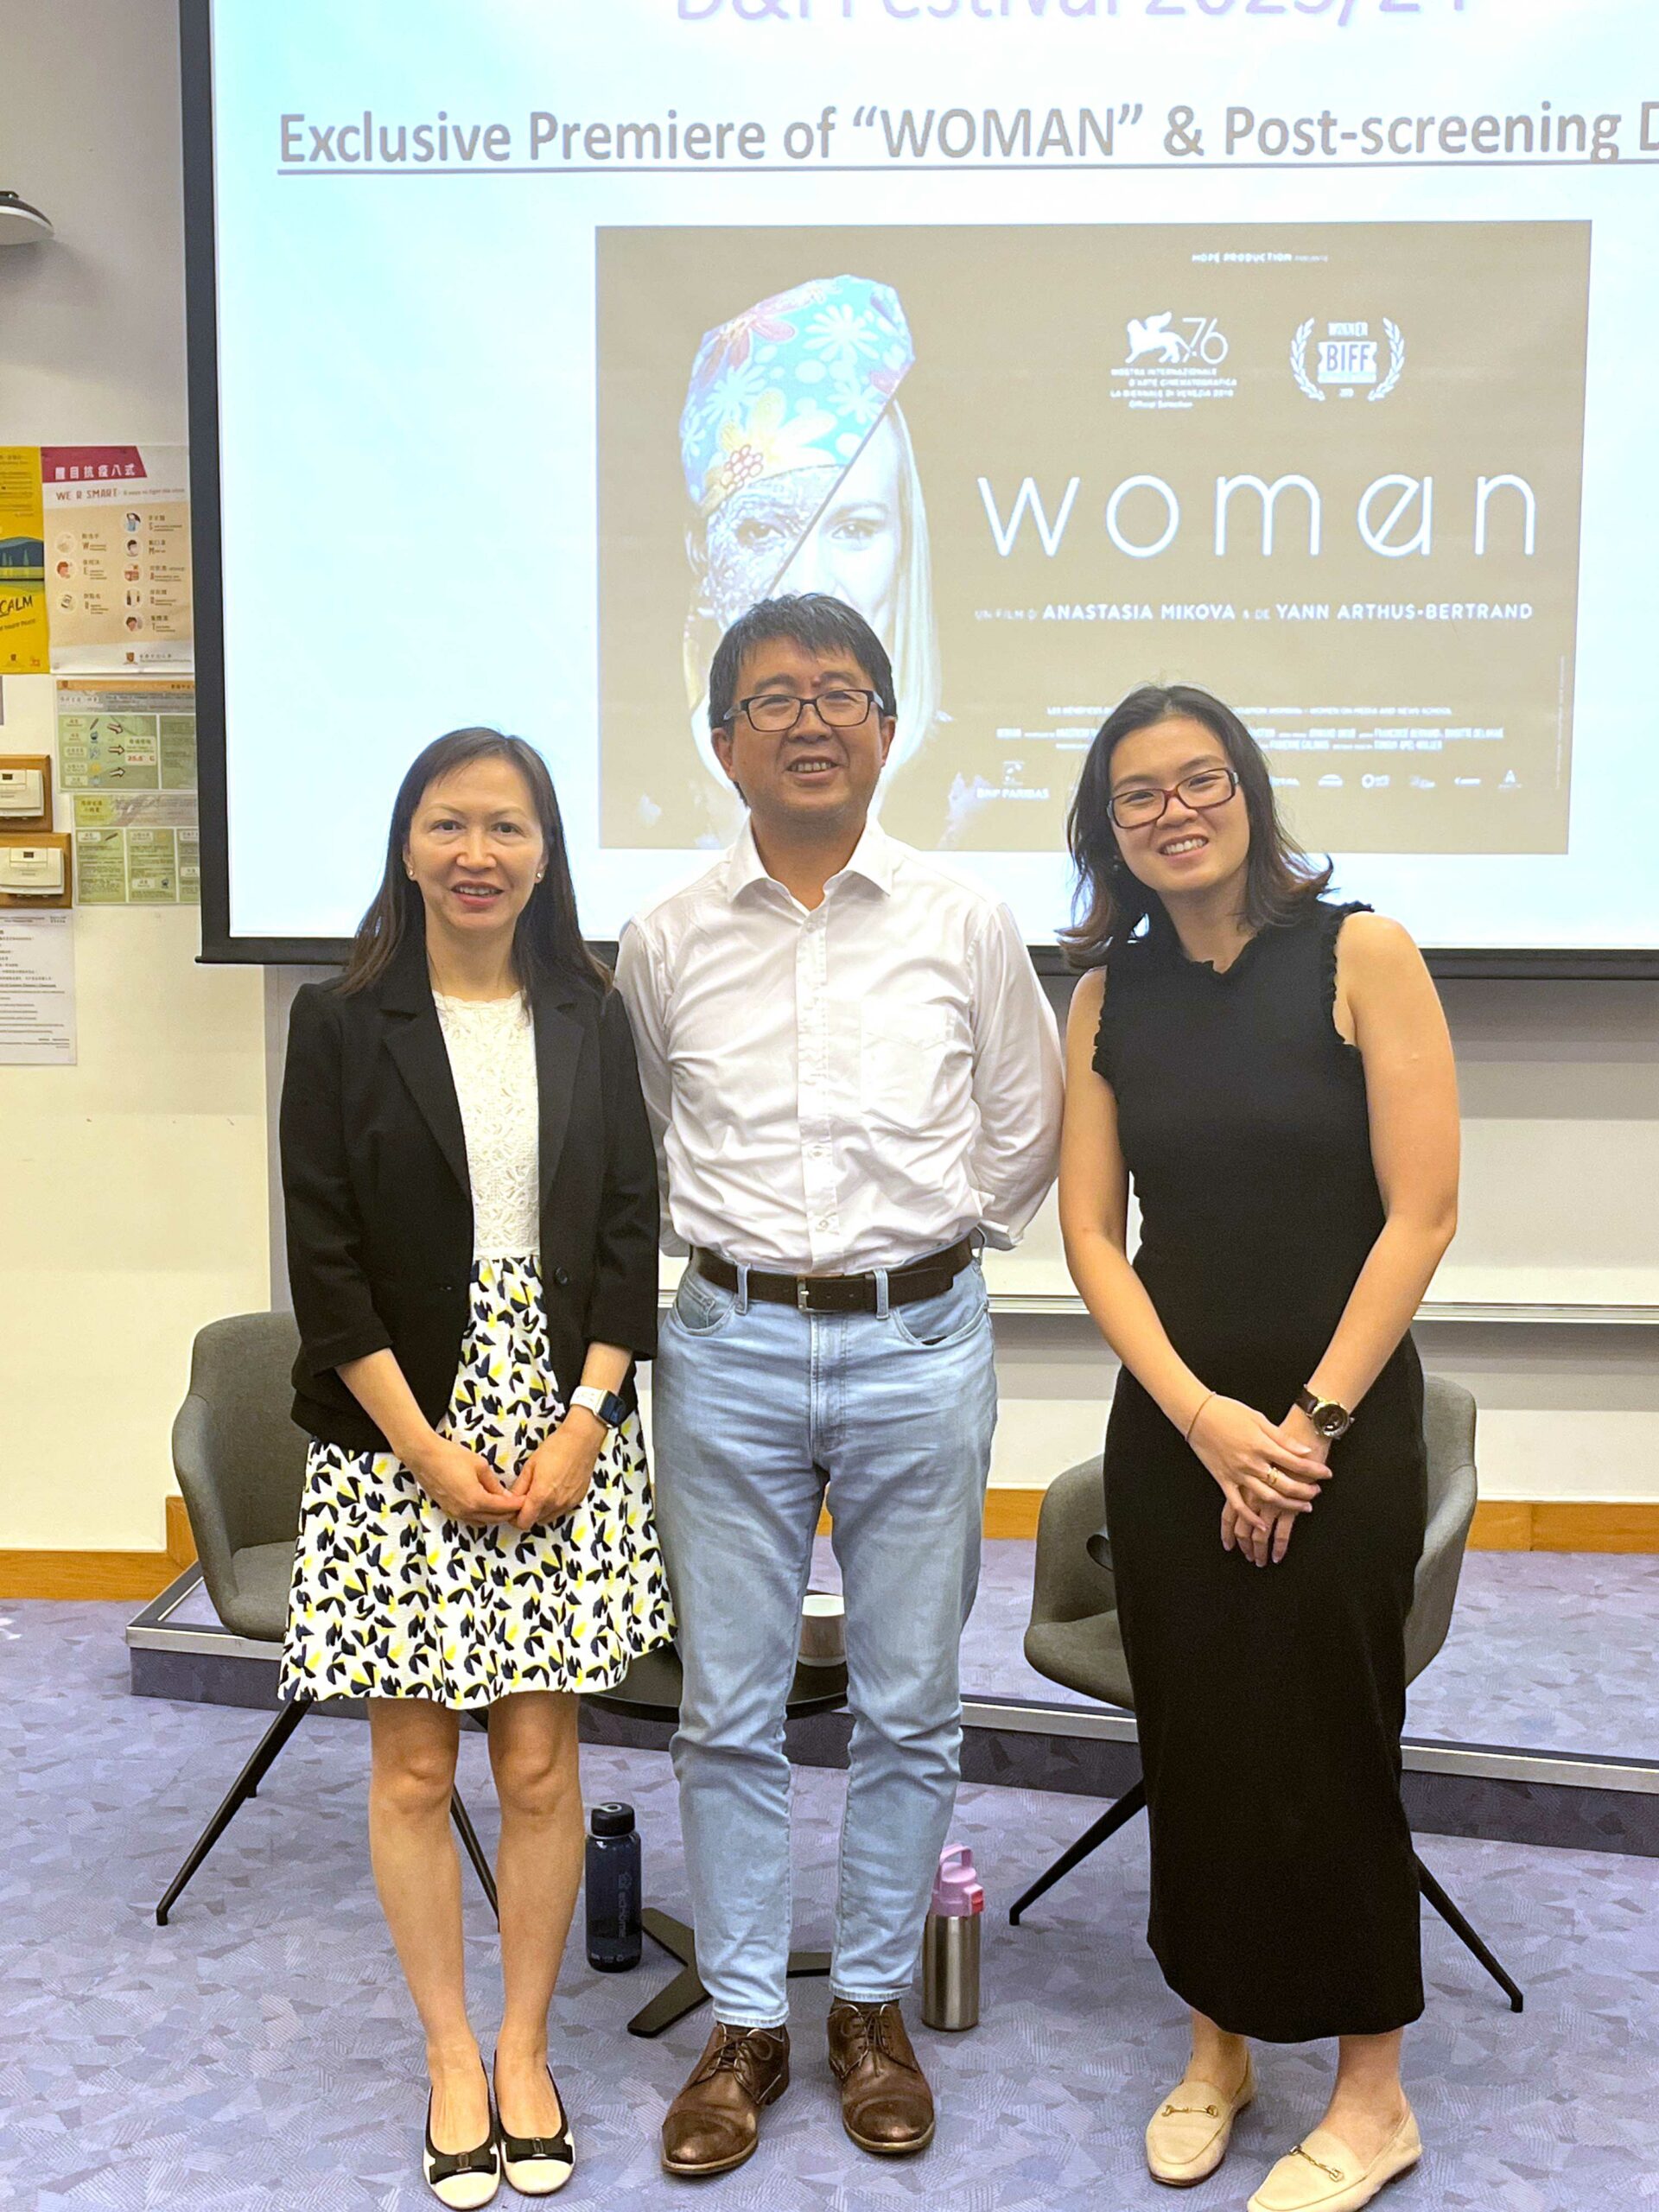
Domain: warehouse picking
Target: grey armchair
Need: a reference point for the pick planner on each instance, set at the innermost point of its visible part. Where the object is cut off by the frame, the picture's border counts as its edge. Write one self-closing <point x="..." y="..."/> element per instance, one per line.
<point x="1073" y="1637"/>
<point x="240" y="1464"/>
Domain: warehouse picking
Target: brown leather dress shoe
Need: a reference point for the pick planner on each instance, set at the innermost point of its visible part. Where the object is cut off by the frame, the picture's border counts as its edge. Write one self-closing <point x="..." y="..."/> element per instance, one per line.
<point x="715" y="2122"/>
<point x="885" y="2104"/>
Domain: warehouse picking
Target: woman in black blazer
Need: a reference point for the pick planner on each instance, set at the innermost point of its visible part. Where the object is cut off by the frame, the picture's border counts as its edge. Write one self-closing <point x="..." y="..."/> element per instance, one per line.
<point x="471" y="1195"/>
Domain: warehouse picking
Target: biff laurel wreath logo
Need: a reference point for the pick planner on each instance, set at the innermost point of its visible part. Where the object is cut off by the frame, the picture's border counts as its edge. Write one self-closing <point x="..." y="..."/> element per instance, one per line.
<point x="1348" y="360"/>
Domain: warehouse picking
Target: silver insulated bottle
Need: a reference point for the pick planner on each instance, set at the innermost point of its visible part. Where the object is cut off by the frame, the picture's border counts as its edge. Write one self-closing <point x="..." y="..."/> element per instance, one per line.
<point x="950" y="1943"/>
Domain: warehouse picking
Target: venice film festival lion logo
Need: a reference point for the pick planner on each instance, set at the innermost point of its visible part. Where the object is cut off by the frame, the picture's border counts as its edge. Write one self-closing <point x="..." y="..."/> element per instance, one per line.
<point x="1348" y="360"/>
<point x="1151" y="337"/>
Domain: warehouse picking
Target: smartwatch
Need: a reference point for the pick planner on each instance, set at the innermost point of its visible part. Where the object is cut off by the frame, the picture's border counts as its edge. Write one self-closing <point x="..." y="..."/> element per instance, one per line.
<point x="604" y="1405"/>
<point x="1330" y="1420"/>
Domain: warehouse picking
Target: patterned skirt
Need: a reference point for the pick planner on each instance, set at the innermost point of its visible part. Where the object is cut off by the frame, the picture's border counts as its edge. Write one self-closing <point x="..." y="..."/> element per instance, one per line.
<point x="392" y="1598"/>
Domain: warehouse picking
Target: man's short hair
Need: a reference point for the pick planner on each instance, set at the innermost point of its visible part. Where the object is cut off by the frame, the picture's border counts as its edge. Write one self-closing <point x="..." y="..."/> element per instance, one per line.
<point x="811" y="619"/>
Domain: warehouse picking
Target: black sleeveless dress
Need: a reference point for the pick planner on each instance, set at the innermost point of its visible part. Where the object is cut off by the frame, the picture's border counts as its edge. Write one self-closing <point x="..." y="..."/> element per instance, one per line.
<point x="1270" y="1700"/>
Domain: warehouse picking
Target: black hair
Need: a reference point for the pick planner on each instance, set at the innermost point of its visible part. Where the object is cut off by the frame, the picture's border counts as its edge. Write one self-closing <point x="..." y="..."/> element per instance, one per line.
<point x="1279" y="877"/>
<point x="548" y="941"/>
<point x="811" y="619"/>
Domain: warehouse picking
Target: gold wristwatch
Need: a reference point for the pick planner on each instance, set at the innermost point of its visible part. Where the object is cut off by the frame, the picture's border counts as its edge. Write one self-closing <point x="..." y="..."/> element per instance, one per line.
<point x="1330" y="1420"/>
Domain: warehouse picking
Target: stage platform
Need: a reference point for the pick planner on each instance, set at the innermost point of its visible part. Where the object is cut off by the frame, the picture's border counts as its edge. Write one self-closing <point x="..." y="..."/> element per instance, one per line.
<point x="1539" y="1722"/>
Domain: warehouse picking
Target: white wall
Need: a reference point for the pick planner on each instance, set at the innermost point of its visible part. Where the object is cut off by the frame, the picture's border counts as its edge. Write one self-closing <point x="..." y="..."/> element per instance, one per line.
<point x="132" y="1187"/>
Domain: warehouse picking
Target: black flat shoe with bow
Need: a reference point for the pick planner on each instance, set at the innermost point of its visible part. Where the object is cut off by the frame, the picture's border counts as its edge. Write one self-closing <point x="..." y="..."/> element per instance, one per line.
<point x="536" y="2165"/>
<point x="463" y="2180"/>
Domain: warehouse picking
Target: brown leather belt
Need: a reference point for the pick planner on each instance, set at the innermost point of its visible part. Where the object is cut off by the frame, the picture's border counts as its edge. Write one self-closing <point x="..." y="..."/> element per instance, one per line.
<point x="841" y="1294"/>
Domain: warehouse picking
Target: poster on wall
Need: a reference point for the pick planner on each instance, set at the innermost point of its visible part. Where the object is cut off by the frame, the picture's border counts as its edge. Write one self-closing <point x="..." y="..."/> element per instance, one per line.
<point x="24" y="647"/>
<point x="117" y="521"/>
<point x="37" y="991"/>
<point x="127" y="763"/>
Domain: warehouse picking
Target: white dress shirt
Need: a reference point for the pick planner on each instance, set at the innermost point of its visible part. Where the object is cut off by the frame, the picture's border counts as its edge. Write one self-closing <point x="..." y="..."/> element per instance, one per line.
<point x="847" y="1088"/>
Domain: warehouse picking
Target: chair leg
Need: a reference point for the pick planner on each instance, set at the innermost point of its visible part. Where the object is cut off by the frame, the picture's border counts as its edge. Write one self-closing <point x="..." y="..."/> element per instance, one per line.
<point x="241" y="1789"/>
<point x="682" y="1995"/>
<point x="685" y="1992"/>
<point x="475" y="1851"/>
<point x="1132" y="1802"/>
<point x="1465" y="1935"/>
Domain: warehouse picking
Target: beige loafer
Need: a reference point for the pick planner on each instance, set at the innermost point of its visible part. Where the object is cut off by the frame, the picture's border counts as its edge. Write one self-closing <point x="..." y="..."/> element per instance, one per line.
<point x="1323" y="2175"/>
<point x="1187" y="2136"/>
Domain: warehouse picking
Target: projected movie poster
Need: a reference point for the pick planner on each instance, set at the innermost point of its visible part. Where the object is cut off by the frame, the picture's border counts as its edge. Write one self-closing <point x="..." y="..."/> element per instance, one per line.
<point x="1329" y="472"/>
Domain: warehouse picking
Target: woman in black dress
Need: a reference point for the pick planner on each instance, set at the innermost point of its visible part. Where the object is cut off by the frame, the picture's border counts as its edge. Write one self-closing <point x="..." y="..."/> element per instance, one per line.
<point x="1273" y="1070"/>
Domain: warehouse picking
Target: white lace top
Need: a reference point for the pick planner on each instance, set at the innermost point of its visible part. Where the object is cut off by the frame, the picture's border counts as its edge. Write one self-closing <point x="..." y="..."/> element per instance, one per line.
<point x="493" y="1058"/>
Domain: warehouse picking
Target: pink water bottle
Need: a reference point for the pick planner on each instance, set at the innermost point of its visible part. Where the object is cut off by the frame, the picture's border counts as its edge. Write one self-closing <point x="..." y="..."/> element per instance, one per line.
<point x="950" y="1943"/>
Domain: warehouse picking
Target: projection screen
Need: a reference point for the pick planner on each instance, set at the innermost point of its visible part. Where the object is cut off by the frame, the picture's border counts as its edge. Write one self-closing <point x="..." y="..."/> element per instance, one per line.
<point x="1300" y="349"/>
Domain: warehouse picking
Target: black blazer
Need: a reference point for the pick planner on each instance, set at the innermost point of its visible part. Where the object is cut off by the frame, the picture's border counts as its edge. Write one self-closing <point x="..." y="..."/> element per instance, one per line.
<point x="380" y="1212"/>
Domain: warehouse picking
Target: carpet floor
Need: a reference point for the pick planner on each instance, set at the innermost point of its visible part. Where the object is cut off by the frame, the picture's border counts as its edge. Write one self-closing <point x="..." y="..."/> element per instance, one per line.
<point x="259" y="2054"/>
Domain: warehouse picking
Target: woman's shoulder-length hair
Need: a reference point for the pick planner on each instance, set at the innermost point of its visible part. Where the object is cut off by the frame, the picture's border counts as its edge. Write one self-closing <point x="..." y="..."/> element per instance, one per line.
<point x="548" y="945"/>
<point x="1110" y="902"/>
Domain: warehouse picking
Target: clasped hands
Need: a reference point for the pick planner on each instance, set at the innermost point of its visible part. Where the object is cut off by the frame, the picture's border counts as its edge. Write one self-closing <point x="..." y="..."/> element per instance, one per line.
<point x="552" y="1481"/>
<point x="1268" y="1473"/>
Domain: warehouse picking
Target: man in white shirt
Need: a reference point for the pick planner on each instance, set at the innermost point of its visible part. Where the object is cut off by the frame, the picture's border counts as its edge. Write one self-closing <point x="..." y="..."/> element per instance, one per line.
<point x="854" y="1079"/>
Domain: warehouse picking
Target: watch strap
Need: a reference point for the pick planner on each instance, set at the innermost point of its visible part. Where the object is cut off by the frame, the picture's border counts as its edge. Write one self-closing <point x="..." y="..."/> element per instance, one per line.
<point x="604" y="1405"/>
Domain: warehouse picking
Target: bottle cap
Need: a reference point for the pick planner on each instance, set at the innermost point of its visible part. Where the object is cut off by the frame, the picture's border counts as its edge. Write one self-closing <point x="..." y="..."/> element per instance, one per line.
<point x="957" y="1890"/>
<point x="613" y="1820"/>
<point x="823" y="1629"/>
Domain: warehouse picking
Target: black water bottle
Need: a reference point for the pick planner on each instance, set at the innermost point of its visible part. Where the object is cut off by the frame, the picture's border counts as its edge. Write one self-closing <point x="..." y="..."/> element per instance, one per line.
<point x="613" y="1942"/>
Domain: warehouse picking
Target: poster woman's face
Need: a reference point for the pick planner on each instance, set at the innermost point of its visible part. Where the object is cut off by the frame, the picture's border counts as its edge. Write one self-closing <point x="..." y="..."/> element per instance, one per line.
<point x="814" y="529"/>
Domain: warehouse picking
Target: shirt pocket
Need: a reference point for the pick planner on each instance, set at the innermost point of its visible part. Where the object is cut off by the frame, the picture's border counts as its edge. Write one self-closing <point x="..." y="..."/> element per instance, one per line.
<point x="906" y="1074"/>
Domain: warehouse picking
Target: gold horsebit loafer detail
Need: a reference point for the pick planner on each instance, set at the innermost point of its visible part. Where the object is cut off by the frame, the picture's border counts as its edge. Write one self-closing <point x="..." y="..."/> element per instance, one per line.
<point x="1186" y="2139"/>
<point x="1321" y="2174"/>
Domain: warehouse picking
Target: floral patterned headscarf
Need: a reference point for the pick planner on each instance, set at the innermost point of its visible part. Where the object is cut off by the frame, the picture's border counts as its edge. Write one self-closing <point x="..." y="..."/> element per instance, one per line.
<point x="797" y="381"/>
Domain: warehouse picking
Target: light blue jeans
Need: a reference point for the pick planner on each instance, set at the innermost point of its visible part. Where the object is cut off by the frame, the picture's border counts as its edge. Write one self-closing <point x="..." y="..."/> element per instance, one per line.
<point x="753" y="1405"/>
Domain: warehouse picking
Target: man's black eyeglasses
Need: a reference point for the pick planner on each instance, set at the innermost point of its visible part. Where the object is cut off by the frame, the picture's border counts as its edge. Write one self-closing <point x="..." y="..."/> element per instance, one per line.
<point x="776" y="712"/>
